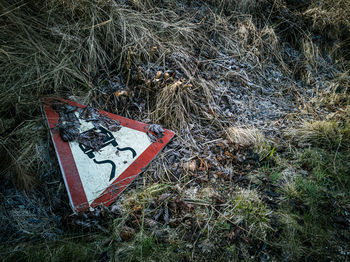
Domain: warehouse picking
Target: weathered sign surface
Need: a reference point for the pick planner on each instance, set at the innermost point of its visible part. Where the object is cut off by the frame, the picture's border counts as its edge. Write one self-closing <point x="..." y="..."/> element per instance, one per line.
<point x="96" y="175"/>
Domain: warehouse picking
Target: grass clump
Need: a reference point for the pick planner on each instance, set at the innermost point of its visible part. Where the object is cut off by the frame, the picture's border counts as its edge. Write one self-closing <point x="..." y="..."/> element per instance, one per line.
<point x="25" y="152"/>
<point x="330" y="17"/>
<point x="56" y="252"/>
<point x="175" y="104"/>
<point x="324" y="134"/>
<point x="254" y="139"/>
<point x="246" y="208"/>
<point x="147" y="247"/>
<point x="290" y="241"/>
<point x="246" y="137"/>
<point x="312" y="202"/>
<point x="329" y="171"/>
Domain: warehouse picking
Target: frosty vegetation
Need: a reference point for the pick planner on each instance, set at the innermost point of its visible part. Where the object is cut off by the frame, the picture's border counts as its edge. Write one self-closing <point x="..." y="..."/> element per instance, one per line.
<point x="257" y="92"/>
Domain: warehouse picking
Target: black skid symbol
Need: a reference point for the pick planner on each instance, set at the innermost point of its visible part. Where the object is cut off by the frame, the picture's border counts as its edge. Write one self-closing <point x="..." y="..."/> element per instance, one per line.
<point x="109" y="140"/>
<point x="108" y="162"/>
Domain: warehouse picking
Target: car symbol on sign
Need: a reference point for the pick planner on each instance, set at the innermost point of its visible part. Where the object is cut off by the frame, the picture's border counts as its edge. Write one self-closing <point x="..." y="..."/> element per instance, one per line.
<point x="109" y="139"/>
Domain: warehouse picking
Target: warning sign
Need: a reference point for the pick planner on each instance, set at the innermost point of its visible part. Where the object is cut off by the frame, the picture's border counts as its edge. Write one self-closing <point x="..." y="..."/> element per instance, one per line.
<point x="100" y="153"/>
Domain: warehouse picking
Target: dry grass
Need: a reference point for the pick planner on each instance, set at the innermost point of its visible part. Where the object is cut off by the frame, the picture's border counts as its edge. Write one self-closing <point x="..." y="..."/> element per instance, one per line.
<point x="326" y="134"/>
<point x="63" y="49"/>
<point x="253" y="139"/>
<point x="75" y="49"/>
<point x="246" y="137"/>
<point x="63" y="52"/>
<point x="174" y="105"/>
<point x="241" y="6"/>
<point x="331" y="17"/>
<point x="26" y="153"/>
<point x="331" y="20"/>
<point x="246" y="208"/>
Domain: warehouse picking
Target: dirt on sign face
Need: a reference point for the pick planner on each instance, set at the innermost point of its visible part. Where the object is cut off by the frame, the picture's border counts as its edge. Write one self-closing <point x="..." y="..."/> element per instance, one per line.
<point x="68" y="124"/>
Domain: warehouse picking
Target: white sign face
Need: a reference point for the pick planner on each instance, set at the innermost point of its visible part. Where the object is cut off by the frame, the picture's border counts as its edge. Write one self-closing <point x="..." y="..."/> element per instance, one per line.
<point x="98" y="170"/>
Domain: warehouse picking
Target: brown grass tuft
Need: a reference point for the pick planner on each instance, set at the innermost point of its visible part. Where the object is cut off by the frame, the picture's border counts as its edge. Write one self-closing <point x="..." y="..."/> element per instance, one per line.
<point x="244" y="136"/>
<point x="175" y="104"/>
<point x="326" y="134"/>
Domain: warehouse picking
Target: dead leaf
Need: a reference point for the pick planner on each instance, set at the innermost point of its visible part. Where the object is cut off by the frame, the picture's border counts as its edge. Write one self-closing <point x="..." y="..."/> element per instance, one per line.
<point x="121" y="93"/>
<point x="166" y="75"/>
<point x="126" y="233"/>
<point x="137" y="209"/>
<point x="159" y="74"/>
<point x="229" y="155"/>
<point x="203" y="166"/>
<point x="150" y="222"/>
<point x="160" y="212"/>
<point x="234" y="234"/>
<point x="166" y="214"/>
<point x="191" y="166"/>
<point x="164" y="196"/>
<point x="174" y="222"/>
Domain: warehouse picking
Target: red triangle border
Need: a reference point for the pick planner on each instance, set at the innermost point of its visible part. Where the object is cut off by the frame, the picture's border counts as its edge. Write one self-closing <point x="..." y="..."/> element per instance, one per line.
<point x="69" y="169"/>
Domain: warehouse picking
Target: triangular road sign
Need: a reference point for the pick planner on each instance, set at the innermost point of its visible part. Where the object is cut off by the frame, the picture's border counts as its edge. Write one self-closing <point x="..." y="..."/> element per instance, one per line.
<point x="97" y="177"/>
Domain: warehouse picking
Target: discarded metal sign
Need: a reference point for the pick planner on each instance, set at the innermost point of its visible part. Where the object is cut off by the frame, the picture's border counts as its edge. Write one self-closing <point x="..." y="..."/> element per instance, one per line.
<point x="99" y="153"/>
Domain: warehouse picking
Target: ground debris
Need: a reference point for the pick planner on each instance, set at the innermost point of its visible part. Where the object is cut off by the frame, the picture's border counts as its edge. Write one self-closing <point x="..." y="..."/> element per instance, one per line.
<point x="126" y="233"/>
<point x="156" y="132"/>
<point x="68" y="124"/>
<point x="92" y="139"/>
<point x="89" y="114"/>
<point x="58" y="106"/>
<point x="68" y="132"/>
<point x="110" y="124"/>
<point x="240" y="80"/>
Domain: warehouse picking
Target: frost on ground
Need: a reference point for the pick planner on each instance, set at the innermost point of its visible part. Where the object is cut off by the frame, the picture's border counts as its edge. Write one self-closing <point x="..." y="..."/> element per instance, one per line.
<point x="257" y="93"/>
